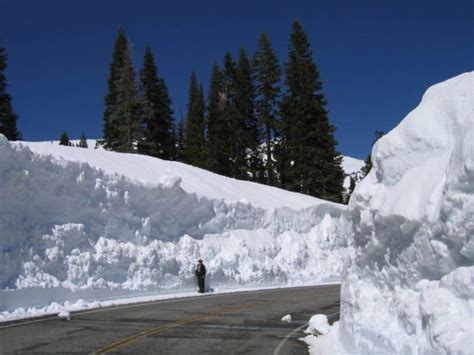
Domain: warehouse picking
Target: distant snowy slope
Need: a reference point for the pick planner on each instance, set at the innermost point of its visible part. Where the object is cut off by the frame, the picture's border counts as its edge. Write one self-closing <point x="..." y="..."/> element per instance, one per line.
<point x="351" y="165"/>
<point x="410" y="289"/>
<point x="352" y="168"/>
<point x="153" y="171"/>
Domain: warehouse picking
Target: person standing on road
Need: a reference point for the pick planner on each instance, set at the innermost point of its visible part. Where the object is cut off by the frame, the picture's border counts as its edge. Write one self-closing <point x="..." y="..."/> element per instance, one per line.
<point x="201" y="275"/>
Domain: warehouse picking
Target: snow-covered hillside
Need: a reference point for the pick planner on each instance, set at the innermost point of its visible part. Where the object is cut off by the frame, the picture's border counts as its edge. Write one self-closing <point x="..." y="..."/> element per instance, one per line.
<point x="351" y="165"/>
<point x="70" y="232"/>
<point x="156" y="172"/>
<point x="352" y="168"/>
<point x="410" y="288"/>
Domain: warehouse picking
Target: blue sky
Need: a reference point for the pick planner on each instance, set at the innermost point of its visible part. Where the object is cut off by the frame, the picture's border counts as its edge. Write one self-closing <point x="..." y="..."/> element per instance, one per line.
<point x="376" y="58"/>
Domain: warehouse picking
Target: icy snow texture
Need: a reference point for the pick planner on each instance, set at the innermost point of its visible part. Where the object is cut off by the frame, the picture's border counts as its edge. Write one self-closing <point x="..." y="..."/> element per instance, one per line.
<point x="72" y="232"/>
<point x="410" y="288"/>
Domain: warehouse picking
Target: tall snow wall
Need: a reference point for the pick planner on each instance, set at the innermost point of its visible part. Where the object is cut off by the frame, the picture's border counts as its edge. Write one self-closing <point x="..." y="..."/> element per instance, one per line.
<point x="410" y="289"/>
<point x="69" y="231"/>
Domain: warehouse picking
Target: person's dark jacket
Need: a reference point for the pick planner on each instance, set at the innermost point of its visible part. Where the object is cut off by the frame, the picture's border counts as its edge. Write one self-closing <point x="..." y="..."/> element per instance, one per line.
<point x="200" y="270"/>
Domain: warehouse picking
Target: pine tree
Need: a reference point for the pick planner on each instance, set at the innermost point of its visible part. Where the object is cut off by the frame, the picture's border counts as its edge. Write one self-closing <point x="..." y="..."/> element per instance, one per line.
<point x="352" y="185"/>
<point x="368" y="161"/>
<point x="180" y="138"/>
<point x="194" y="141"/>
<point x="266" y="72"/>
<point x="64" y="140"/>
<point x="156" y="114"/>
<point x="219" y="153"/>
<point x="8" y="119"/>
<point x="248" y="162"/>
<point x="307" y="152"/>
<point x="367" y="166"/>
<point x="83" y="141"/>
<point x="122" y="111"/>
<point x="232" y="119"/>
<point x="167" y="127"/>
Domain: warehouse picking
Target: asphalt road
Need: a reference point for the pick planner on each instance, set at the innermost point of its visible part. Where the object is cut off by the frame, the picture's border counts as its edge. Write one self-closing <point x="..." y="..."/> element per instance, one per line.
<point x="244" y="322"/>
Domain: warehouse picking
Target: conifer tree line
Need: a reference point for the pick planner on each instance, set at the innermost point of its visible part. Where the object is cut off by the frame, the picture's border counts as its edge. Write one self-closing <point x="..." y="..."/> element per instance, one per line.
<point x="8" y="118"/>
<point x="137" y="117"/>
<point x="64" y="140"/>
<point x="247" y="126"/>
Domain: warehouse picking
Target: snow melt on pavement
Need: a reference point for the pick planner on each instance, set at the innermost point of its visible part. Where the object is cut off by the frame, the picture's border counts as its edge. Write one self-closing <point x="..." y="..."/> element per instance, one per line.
<point x="79" y="227"/>
<point x="410" y="288"/>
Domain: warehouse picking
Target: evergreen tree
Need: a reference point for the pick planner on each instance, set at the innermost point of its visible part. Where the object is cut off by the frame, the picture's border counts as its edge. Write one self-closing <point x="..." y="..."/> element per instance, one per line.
<point x="156" y="113"/>
<point x="352" y="185"/>
<point x="180" y="138"/>
<point x="194" y="141"/>
<point x="368" y="161"/>
<point x="83" y="141"/>
<point x="64" y="140"/>
<point x="121" y="116"/>
<point x="8" y="119"/>
<point x="266" y="72"/>
<point x="233" y="108"/>
<point x="167" y="127"/>
<point x="248" y="162"/>
<point x="219" y="153"/>
<point x="307" y="151"/>
<point x="367" y="166"/>
<point x="232" y="120"/>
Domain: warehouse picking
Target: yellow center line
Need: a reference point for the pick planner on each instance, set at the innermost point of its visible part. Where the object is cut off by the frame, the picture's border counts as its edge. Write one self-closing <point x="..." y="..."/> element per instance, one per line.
<point x="128" y="340"/>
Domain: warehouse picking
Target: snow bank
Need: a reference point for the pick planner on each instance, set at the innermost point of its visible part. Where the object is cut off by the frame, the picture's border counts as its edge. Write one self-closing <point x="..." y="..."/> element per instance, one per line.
<point x="410" y="288"/>
<point x="156" y="172"/>
<point x="72" y="233"/>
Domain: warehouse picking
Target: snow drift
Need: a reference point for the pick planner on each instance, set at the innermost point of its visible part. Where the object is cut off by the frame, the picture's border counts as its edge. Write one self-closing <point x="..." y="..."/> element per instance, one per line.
<point x="410" y="288"/>
<point x="81" y="225"/>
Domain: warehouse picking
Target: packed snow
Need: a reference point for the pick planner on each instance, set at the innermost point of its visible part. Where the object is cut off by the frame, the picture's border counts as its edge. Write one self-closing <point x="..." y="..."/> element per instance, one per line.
<point x="79" y="227"/>
<point x="410" y="288"/>
<point x="286" y="318"/>
<point x="64" y="315"/>
<point x="318" y="324"/>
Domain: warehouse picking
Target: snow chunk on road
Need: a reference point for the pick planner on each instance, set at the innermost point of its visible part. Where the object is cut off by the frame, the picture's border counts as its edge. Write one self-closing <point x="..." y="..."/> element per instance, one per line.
<point x="318" y="324"/>
<point x="64" y="315"/>
<point x="286" y="318"/>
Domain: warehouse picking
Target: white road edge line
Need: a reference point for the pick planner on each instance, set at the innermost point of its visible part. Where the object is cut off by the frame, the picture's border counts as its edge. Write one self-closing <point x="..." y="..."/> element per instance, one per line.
<point x="288" y="336"/>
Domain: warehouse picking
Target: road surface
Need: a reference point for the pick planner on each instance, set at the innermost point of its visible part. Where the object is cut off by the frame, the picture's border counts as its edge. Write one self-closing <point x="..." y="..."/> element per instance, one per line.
<point x="243" y="322"/>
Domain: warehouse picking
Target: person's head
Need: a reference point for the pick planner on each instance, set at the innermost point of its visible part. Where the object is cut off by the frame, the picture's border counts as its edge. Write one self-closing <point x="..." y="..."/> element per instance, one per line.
<point x="200" y="261"/>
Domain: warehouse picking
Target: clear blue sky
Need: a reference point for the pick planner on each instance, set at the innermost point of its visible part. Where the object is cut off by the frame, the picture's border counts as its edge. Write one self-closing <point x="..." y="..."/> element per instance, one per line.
<point x="376" y="58"/>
